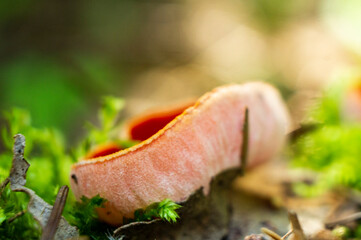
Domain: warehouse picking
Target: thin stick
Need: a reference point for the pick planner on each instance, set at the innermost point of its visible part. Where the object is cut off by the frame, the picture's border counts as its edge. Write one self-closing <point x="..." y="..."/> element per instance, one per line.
<point x="296" y="226"/>
<point x="341" y="221"/>
<point x="4" y="184"/>
<point x="295" y="134"/>
<point x="271" y="233"/>
<point x="287" y="234"/>
<point x="19" y="214"/>
<point x="244" y="147"/>
<point x="55" y="216"/>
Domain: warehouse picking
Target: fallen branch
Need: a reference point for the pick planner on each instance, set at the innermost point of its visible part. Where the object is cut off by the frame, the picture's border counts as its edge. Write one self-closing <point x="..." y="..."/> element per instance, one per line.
<point x="4" y="184"/>
<point x="37" y="207"/>
<point x="271" y="234"/>
<point x="19" y="214"/>
<point x="343" y="221"/>
<point x="274" y="235"/>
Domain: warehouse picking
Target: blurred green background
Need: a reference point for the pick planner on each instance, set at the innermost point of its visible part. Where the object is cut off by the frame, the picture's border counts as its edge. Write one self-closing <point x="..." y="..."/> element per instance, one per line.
<point x="58" y="58"/>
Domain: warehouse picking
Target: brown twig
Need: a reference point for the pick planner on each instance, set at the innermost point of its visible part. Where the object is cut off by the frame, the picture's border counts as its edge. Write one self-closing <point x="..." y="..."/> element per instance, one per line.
<point x="245" y="138"/>
<point x="342" y="221"/>
<point x="296" y="229"/>
<point x="296" y="226"/>
<point x="287" y="234"/>
<point x="271" y="234"/>
<point x="19" y="214"/>
<point x="55" y="216"/>
<point x="274" y="235"/>
<point x="295" y="134"/>
<point x="4" y="184"/>
<point x="37" y="207"/>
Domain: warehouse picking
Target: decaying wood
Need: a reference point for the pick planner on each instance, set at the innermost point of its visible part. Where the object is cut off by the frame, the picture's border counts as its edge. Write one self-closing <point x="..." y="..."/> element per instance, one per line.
<point x="201" y="217"/>
<point x="37" y="207"/>
<point x="19" y="165"/>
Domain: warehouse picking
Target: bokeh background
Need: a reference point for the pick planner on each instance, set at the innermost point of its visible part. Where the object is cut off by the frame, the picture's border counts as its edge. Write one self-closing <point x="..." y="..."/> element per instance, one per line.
<point x="58" y="58"/>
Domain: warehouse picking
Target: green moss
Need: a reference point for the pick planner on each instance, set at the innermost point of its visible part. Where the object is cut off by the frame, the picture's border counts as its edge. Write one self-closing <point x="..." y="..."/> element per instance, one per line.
<point x="24" y="227"/>
<point x="165" y="210"/>
<point x="84" y="216"/>
<point x="334" y="149"/>
<point x="50" y="164"/>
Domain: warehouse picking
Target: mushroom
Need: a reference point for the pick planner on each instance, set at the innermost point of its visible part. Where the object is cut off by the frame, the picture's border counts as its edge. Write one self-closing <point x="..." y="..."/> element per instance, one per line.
<point x="180" y="152"/>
